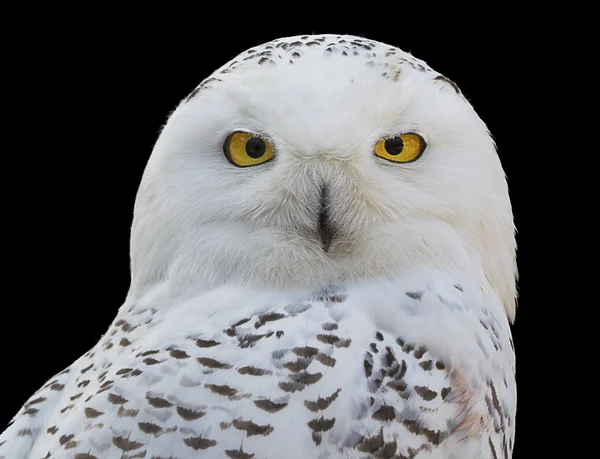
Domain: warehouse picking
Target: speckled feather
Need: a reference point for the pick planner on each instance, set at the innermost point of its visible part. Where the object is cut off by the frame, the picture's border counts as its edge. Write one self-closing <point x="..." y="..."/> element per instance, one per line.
<point x="415" y="363"/>
<point x="286" y="375"/>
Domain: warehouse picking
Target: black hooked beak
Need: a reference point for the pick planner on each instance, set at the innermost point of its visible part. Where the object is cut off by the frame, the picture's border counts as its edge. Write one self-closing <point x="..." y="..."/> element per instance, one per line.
<point x="325" y="230"/>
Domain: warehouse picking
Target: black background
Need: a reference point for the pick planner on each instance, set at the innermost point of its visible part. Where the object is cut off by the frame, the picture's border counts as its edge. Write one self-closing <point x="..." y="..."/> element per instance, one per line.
<point x="94" y="102"/>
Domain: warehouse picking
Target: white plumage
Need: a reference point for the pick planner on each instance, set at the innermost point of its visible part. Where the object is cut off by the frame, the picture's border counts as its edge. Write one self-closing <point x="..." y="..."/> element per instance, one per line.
<point x="330" y="302"/>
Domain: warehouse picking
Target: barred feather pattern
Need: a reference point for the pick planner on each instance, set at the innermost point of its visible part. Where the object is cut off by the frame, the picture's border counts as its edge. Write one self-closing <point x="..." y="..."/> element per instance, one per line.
<point x="418" y="367"/>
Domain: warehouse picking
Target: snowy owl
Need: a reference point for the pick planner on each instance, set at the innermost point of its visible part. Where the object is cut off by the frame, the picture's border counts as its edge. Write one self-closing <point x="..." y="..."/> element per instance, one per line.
<point x="323" y="266"/>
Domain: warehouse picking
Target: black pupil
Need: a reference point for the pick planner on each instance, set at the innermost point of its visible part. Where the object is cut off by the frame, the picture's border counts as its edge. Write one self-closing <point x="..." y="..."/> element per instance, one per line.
<point x="255" y="147"/>
<point x="394" y="146"/>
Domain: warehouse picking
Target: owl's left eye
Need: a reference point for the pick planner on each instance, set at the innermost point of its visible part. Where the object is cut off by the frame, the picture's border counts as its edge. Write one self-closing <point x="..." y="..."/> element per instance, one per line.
<point x="244" y="149"/>
<point x="404" y="148"/>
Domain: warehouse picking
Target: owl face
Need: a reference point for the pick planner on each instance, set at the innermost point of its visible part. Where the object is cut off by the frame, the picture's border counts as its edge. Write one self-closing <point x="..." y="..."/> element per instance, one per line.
<point x="299" y="164"/>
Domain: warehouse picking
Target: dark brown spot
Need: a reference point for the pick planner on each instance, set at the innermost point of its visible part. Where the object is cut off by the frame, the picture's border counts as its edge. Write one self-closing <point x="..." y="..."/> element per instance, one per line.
<point x="65" y="438"/>
<point x="251" y="428"/>
<point x="241" y="322"/>
<point x="123" y="371"/>
<point x="457" y="286"/>
<point x="106" y="385"/>
<point x="123" y="413"/>
<point x="57" y="387"/>
<point x="199" y="443"/>
<point x="116" y="399"/>
<point x="212" y="363"/>
<point x="270" y="317"/>
<point x="328" y="326"/>
<point x="378" y="379"/>
<point x="269" y="406"/>
<point x="328" y="339"/>
<point x="420" y="352"/>
<point x="407" y="348"/>
<point x="279" y="333"/>
<point x="124" y="342"/>
<point x="206" y="343"/>
<point x="158" y="402"/>
<point x="440" y="365"/>
<point x="222" y="390"/>
<point x="149" y="428"/>
<point x="400" y="341"/>
<point x="144" y="354"/>
<point x="92" y="413"/>
<point x="136" y="372"/>
<point x="379" y="336"/>
<point x="326" y="360"/>
<point x="76" y="396"/>
<point x="305" y="377"/>
<point x="124" y="325"/>
<point x="402" y="372"/>
<point x="373" y="348"/>
<point x="434" y="436"/>
<point x="178" y="354"/>
<point x="238" y="454"/>
<point x="288" y="386"/>
<point x="495" y="400"/>
<point x="426" y="364"/>
<point x="321" y="424"/>
<point x="389" y="359"/>
<point x="31" y="411"/>
<point x="84" y="456"/>
<point x="425" y="393"/>
<point x="321" y="403"/>
<point x="253" y="371"/>
<point x="370" y="444"/>
<point x="298" y="365"/>
<point x="248" y="340"/>
<point x="189" y="414"/>
<point x="139" y="455"/>
<point x="52" y="430"/>
<point x="125" y="444"/>
<point x="445" y="391"/>
<point x="36" y="401"/>
<point x="306" y="351"/>
<point x="150" y="361"/>
<point x="337" y="298"/>
<point x="368" y="368"/>
<point x="317" y="438"/>
<point x="415" y="295"/>
<point x="492" y="449"/>
<point x="384" y="413"/>
<point x="87" y="368"/>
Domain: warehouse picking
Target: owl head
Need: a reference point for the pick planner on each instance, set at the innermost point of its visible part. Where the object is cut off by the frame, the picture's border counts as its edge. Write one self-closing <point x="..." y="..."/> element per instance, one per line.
<point x="322" y="159"/>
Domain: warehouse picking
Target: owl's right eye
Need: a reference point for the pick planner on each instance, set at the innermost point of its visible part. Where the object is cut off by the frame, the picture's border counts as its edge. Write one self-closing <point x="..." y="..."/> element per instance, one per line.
<point x="244" y="149"/>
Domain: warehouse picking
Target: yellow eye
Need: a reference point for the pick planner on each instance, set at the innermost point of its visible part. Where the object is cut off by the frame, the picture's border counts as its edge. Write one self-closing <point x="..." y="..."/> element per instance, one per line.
<point x="403" y="148"/>
<point x="244" y="149"/>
